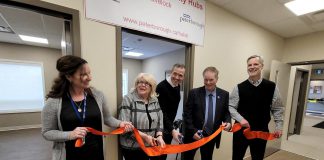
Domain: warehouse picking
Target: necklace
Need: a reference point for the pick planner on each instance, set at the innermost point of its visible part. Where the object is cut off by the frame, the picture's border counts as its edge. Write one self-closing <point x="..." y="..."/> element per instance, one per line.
<point x="79" y="106"/>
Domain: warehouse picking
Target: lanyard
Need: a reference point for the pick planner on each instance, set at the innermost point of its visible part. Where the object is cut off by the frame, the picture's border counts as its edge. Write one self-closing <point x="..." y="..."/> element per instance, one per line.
<point x="76" y="110"/>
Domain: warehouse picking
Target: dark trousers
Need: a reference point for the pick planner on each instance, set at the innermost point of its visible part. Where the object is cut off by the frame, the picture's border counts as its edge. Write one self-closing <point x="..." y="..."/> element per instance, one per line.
<point x="240" y="144"/>
<point x="167" y="139"/>
<point x="129" y="154"/>
<point x="206" y="151"/>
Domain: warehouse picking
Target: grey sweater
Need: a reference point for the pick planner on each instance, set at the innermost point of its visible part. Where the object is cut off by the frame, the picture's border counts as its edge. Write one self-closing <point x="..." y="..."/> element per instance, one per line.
<point x="52" y="127"/>
<point x="133" y="109"/>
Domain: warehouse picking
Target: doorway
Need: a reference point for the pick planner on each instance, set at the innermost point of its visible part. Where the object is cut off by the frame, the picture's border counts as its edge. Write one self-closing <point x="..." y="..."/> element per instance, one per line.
<point x="298" y="136"/>
<point x="298" y="104"/>
<point x="139" y="52"/>
<point x="315" y="104"/>
<point x="22" y="24"/>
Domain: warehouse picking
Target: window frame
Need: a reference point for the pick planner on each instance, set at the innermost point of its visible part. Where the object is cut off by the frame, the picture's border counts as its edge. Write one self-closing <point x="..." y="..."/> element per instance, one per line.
<point x="124" y="82"/>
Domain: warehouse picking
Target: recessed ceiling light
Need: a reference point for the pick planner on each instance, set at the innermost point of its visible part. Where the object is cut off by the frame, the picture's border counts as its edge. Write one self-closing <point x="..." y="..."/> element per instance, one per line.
<point x="125" y="48"/>
<point x="134" y="54"/>
<point x="33" y="39"/>
<point x="300" y="7"/>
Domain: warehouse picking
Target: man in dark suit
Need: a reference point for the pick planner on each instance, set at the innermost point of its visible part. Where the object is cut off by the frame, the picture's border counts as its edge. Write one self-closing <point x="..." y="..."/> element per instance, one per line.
<point x="206" y="109"/>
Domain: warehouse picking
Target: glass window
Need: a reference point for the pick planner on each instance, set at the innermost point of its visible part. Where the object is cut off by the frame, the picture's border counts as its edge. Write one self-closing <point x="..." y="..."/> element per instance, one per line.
<point x="21" y="86"/>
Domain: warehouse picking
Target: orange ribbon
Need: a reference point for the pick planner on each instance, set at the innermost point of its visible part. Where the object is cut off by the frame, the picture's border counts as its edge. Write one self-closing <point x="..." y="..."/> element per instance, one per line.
<point x="79" y="142"/>
<point x="258" y="134"/>
<point x="253" y="134"/>
<point x="171" y="149"/>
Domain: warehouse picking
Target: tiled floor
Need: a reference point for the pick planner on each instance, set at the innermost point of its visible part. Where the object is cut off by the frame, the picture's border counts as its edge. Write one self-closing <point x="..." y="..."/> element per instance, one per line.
<point x="25" y="144"/>
<point x="310" y="135"/>
<point x="284" y="155"/>
<point x="311" y="140"/>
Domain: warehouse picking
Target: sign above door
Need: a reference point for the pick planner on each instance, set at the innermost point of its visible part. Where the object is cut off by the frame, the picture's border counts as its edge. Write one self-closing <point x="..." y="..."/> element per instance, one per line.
<point x="182" y="20"/>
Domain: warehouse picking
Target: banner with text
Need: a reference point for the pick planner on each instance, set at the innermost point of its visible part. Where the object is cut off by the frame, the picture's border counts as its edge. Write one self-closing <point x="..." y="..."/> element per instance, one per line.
<point x="182" y="20"/>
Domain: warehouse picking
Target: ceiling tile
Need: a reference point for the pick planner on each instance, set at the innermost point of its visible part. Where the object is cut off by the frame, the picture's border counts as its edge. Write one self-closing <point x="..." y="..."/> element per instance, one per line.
<point x="26" y="22"/>
<point x="271" y="15"/>
<point x="150" y="47"/>
<point x="290" y="27"/>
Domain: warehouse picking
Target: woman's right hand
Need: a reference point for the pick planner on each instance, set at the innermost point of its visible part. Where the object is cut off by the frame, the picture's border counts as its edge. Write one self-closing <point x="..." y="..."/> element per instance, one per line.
<point x="128" y="126"/>
<point x="78" y="132"/>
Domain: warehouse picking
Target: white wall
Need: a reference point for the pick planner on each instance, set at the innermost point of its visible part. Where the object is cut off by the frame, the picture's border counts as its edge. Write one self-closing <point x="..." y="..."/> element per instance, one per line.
<point x="317" y="95"/>
<point x="156" y="65"/>
<point x="304" y="48"/>
<point x="229" y="41"/>
<point x="159" y="64"/>
<point x="29" y="53"/>
<point x="134" y="67"/>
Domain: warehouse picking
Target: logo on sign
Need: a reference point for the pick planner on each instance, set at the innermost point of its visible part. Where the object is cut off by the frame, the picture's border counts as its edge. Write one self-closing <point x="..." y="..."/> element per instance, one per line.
<point x="186" y="18"/>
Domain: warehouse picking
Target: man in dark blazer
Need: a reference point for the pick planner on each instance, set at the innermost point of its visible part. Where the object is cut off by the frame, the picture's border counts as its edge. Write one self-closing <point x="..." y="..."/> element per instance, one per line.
<point x="206" y="109"/>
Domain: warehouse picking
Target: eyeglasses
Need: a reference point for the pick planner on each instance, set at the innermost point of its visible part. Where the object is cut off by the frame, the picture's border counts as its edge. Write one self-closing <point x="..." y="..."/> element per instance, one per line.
<point x="143" y="83"/>
<point x="87" y="75"/>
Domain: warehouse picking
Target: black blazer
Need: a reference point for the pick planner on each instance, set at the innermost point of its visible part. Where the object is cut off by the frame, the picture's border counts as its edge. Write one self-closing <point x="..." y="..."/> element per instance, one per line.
<point x="194" y="112"/>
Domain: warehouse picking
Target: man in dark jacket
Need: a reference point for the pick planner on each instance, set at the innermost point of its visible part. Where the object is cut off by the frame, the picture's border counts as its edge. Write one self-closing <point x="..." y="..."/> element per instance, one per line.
<point x="169" y="98"/>
<point x="204" y="112"/>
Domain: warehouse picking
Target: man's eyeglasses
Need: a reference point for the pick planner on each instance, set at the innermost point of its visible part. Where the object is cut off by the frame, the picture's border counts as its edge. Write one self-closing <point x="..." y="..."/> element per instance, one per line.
<point x="143" y="83"/>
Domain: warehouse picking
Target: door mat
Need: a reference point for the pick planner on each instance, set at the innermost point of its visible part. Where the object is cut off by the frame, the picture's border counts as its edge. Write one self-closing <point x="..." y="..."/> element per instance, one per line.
<point x="319" y="125"/>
